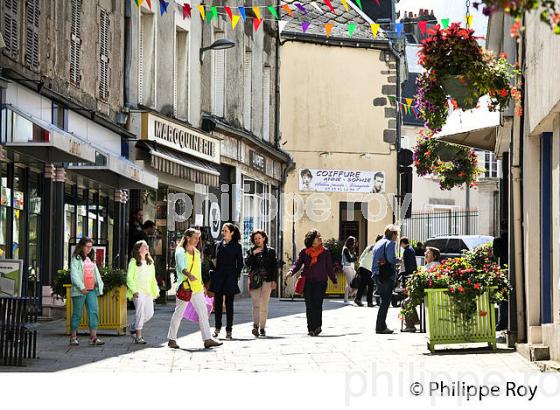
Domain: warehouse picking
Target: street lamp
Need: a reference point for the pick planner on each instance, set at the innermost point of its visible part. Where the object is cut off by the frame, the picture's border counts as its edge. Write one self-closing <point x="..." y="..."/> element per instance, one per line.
<point x="220" y="44"/>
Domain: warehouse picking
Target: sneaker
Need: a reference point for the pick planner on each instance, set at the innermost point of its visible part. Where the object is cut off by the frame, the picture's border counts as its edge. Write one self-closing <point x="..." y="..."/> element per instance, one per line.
<point x="132" y="330"/>
<point x="74" y="341"/>
<point x="263" y="332"/>
<point x="172" y="344"/>
<point x="347" y="302"/>
<point x="211" y="343"/>
<point x="255" y="331"/>
<point x="139" y="340"/>
<point x="358" y="302"/>
<point x="96" y="342"/>
<point x="384" y="332"/>
<point x="409" y="330"/>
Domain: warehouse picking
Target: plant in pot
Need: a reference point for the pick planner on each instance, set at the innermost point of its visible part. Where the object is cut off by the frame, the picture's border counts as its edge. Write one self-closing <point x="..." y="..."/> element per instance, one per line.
<point x="112" y="278"/>
<point x="335" y="248"/>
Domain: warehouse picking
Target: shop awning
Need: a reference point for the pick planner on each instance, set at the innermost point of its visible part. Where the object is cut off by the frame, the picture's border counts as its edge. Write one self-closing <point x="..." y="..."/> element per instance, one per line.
<point x="40" y="139"/>
<point x="117" y="172"/>
<point x="180" y="165"/>
<point x="481" y="138"/>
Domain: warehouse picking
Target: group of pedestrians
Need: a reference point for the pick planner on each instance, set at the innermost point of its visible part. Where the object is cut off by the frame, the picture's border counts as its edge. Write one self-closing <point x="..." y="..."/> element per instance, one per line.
<point x="377" y="271"/>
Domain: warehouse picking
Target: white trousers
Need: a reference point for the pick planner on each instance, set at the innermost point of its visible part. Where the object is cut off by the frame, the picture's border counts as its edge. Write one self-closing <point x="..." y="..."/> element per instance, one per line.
<point x="144" y="305"/>
<point x="199" y="304"/>
<point x="349" y="272"/>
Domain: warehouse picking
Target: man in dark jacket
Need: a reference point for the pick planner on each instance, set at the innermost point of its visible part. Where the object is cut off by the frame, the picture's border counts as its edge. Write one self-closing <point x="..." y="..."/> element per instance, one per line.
<point x="409" y="257"/>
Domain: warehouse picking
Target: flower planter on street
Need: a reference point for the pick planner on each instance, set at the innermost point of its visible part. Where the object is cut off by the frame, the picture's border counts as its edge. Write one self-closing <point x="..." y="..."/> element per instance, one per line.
<point x="112" y="311"/>
<point x="444" y="328"/>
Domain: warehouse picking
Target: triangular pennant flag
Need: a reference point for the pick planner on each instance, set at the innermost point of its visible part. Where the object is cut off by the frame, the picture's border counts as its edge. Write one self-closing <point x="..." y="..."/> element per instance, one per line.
<point x="374" y="29"/>
<point x="202" y="11"/>
<point x="187" y="10"/>
<point x="351" y="29"/>
<point x="273" y="11"/>
<point x="330" y="6"/>
<point x="214" y="13"/>
<point x="257" y="23"/>
<point x="138" y="2"/>
<point x="469" y="21"/>
<point x="409" y="101"/>
<point x="445" y="23"/>
<point x="317" y="7"/>
<point x="399" y="28"/>
<point x="305" y="25"/>
<point x="288" y="9"/>
<point x="243" y="13"/>
<point x="163" y="6"/>
<point x="345" y="4"/>
<point x="229" y="13"/>
<point x="282" y="25"/>
<point x="234" y="20"/>
<point x="301" y="8"/>
<point x="257" y="11"/>
<point x="328" y="29"/>
<point x="422" y="26"/>
<point x="149" y="3"/>
<point x="359" y="3"/>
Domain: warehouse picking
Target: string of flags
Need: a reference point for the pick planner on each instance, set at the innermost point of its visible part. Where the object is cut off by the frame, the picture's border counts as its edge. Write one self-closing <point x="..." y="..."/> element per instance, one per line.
<point x="407" y="105"/>
<point x="258" y="14"/>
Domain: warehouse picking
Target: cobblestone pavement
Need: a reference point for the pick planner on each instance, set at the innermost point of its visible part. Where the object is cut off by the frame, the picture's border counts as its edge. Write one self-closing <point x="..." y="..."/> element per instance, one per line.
<point x="348" y="343"/>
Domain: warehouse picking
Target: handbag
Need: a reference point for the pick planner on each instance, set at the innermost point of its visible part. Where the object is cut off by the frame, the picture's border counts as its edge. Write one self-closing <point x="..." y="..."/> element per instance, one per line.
<point x="300" y="285"/>
<point x="185" y="293"/>
<point x="256" y="279"/>
<point x="356" y="282"/>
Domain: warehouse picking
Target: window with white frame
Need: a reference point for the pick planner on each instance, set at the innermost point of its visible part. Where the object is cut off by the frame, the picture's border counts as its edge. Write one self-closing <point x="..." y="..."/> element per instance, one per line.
<point x="76" y="43"/>
<point x="218" y="78"/>
<point x="104" y="27"/>
<point x="256" y="208"/>
<point x="491" y="165"/>
<point x="181" y="80"/>
<point x="32" y="12"/>
<point x="247" y="89"/>
<point x="146" y="57"/>
<point x="266" y="104"/>
<point x="10" y="30"/>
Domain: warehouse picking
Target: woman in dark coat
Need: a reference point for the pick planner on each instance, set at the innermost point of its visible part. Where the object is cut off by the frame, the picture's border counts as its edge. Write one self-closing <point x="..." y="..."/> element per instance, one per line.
<point x="318" y="267"/>
<point x="263" y="276"/>
<point x="224" y="279"/>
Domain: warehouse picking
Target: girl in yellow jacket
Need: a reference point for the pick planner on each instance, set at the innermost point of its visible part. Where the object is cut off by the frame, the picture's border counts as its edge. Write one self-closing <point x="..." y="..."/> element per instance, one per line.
<point x="142" y="287"/>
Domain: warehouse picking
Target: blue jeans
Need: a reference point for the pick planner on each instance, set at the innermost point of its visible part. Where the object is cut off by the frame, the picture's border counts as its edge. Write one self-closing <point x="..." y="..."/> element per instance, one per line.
<point x="92" y="309"/>
<point x="385" y="291"/>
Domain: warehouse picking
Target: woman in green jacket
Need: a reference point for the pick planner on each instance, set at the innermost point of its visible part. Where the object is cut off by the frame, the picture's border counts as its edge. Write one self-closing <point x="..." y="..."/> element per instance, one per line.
<point x="86" y="287"/>
<point x="142" y="287"/>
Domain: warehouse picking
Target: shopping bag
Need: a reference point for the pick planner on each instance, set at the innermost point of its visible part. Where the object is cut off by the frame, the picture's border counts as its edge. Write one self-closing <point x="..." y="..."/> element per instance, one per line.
<point x="190" y="312"/>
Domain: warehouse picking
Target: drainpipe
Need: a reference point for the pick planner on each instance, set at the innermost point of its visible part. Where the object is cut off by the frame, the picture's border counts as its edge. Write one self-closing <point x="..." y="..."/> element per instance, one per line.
<point x="277" y="86"/>
<point x="127" y="52"/>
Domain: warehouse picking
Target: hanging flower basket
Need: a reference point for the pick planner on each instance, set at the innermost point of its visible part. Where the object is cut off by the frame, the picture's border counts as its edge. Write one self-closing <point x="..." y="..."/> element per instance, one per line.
<point x="458" y="67"/>
<point x="549" y="11"/>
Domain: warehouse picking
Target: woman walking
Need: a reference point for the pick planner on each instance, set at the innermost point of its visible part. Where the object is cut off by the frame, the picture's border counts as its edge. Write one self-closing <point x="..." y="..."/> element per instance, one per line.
<point x="142" y="287"/>
<point x="86" y="287"/>
<point x="223" y="282"/>
<point x="348" y="267"/>
<point x="188" y="266"/>
<point x="263" y="276"/>
<point x="317" y="268"/>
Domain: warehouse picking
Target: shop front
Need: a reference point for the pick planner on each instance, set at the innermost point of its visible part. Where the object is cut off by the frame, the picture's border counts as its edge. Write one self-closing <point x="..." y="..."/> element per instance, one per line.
<point x="187" y="163"/>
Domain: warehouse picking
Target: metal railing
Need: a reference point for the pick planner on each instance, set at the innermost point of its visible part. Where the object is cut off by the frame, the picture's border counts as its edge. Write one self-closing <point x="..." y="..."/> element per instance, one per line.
<point x="427" y="224"/>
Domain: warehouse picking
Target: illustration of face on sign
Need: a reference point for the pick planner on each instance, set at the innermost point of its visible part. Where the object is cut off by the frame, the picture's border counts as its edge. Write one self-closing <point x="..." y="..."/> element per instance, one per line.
<point x="378" y="182"/>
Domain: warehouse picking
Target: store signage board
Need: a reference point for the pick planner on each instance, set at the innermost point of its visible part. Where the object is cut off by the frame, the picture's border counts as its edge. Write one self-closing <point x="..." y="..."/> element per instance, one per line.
<point x="337" y="180"/>
<point x="258" y="161"/>
<point x="11" y="272"/>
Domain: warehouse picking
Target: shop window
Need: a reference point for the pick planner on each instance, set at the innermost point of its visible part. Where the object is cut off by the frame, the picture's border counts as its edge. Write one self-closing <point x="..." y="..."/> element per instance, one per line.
<point x="81" y="210"/>
<point x="92" y="231"/>
<point x="256" y="209"/>
<point x="69" y="221"/>
<point x="19" y="215"/>
<point x="34" y="241"/>
<point x="5" y="201"/>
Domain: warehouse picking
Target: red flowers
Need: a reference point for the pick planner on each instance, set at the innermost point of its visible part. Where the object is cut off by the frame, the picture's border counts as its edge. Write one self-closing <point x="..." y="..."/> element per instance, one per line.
<point x="503" y="92"/>
<point x="476" y="286"/>
<point x="483" y="313"/>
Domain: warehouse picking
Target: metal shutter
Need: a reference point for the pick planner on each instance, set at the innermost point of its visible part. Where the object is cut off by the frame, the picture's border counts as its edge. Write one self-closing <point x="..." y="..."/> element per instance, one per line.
<point x="32" y="33"/>
<point x="219" y="79"/>
<point x="247" y="85"/>
<point x="104" y="25"/>
<point x="75" y="42"/>
<point x="266" y="104"/>
<point x="10" y="32"/>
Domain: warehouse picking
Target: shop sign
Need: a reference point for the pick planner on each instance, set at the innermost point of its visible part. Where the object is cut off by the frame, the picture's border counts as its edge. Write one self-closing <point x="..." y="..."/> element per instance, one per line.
<point x="214" y="220"/>
<point x="257" y="161"/>
<point x="75" y="148"/>
<point x="337" y="180"/>
<point x="19" y="201"/>
<point x="6" y="197"/>
<point x="182" y="139"/>
<point x="11" y="271"/>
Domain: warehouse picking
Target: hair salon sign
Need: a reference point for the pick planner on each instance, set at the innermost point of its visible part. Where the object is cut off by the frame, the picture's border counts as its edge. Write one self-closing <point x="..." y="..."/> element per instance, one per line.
<point x="338" y="180"/>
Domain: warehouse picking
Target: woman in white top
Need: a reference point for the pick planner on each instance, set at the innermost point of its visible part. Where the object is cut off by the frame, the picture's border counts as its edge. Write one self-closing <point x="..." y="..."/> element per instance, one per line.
<point x="348" y="266"/>
<point x="142" y="287"/>
<point x="431" y="257"/>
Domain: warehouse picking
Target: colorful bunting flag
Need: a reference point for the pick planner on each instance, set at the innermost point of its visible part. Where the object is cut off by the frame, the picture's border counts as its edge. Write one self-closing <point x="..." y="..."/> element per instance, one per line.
<point x="138" y="2"/>
<point x="282" y="25"/>
<point x="305" y="25"/>
<point x="187" y="10"/>
<point x="273" y="11"/>
<point x="257" y="11"/>
<point x="422" y="25"/>
<point x="214" y="13"/>
<point x="243" y="13"/>
<point x="234" y="20"/>
<point x="301" y="8"/>
<point x="399" y="28"/>
<point x="163" y="6"/>
<point x="330" y="6"/>
<point x="359" y="3"/>
<point x="229" y="13"/>
<point x="328" y="29"/>
<point x="319" y="9"/>
<point x="202" y="11"/>
<point x="445" y="23"/>
<point x="469" y="21"/>
<point x="351" y="29"/>
<point x="288" y="9"/>
<point x="345" y="4"/>
<point x="257" y="23"/>
<point x="149" y="3"/>
<point x="374" y="29"/>
<point x="409" y="101"/>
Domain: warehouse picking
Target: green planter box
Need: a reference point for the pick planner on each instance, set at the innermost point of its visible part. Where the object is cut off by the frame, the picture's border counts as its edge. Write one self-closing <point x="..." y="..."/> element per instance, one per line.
<point x="443" y="328"/>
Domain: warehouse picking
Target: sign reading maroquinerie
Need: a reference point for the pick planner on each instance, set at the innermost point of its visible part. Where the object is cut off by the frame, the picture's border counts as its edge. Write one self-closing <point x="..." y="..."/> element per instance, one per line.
<point x="182" y="138"/>
<point x="338" y="180"/>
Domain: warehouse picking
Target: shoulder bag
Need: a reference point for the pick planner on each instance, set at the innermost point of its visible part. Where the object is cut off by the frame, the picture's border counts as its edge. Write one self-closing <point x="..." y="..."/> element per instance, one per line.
<point x="185" y="292"/>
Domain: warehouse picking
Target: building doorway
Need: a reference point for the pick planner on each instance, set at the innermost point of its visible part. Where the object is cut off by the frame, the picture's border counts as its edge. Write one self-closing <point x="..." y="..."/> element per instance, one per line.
<point x="353" y="223"/>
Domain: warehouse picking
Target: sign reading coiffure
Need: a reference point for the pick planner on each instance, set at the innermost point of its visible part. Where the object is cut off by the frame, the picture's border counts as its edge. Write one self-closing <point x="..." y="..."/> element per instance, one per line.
<point x="340" y="180"/>
<point x="181" y="138"/>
